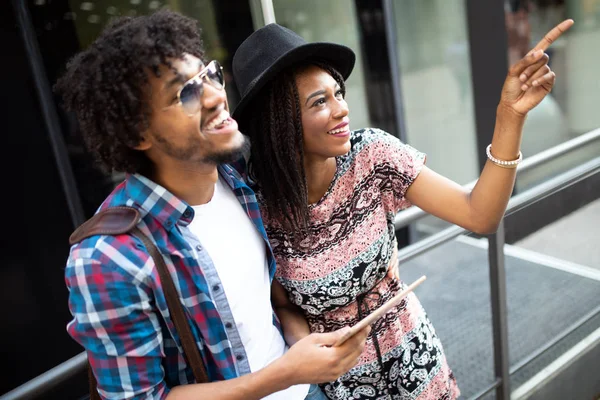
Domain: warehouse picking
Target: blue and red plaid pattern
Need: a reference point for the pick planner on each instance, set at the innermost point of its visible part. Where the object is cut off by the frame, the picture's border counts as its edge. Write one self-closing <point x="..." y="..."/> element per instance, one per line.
<point x="120" y="315"/>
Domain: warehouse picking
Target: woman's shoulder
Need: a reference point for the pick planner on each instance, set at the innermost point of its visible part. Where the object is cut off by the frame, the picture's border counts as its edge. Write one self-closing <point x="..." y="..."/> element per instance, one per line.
<point x="373" y="146"/>
<point x="370" y="135"/>
<point x="366" y="140"/>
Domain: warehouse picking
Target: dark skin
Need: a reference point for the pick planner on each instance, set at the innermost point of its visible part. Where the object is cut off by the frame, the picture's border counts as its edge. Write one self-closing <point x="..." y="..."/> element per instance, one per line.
<point x="182" y="149"/>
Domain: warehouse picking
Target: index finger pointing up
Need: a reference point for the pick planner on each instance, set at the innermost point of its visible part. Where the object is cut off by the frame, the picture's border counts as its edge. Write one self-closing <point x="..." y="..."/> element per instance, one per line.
<point x="554" y="34"/>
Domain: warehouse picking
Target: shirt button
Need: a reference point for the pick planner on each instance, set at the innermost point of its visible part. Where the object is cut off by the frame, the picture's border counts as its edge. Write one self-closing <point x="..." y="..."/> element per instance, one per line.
<point x="228" y="325"/>
<point x="239" y="357"/>
<point x="216" y="288"/>
<point x="187" y="214"/>
<point x="199" y="248"/>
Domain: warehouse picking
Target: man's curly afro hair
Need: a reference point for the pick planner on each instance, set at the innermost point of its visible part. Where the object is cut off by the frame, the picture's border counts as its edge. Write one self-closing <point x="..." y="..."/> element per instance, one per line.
<point x="106" y="84"/>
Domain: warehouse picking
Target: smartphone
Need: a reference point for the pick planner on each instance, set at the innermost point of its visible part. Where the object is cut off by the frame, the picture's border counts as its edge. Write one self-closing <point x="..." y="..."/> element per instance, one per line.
<point x="375" y="315"/>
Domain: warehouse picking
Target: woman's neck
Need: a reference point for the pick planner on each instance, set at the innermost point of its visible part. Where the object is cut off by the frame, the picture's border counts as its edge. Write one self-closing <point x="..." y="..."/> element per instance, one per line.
<point x="319" y="174"/>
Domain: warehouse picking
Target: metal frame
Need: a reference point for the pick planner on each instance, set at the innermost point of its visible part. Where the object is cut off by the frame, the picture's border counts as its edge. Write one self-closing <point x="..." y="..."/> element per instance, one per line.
<point x="64" y="371"/>
<point x="392" y="47"/>
<point x="488" y="45"/>
<point x="516" y="203"/>
<point x="49" y="113"/>
<point x="49" y="379"/>
<point x="413" y="214"/>
<point x="379" y="64"/>
<point x="268" y="11"/>
<point x="499" y="311"/>
<point x="263" y="13"/>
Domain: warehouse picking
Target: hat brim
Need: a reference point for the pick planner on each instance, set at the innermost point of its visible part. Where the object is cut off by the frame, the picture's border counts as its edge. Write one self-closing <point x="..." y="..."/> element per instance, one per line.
<point x="340" y="57"/>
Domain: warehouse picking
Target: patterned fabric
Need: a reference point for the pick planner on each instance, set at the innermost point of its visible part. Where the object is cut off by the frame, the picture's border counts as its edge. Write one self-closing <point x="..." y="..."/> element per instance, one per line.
<point x="120" y="315"/>
<point x="338" y="273"/>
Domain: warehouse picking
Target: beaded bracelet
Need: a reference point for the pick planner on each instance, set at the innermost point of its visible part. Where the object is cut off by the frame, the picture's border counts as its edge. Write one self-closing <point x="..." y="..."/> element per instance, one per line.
<point x="503" y="163"/>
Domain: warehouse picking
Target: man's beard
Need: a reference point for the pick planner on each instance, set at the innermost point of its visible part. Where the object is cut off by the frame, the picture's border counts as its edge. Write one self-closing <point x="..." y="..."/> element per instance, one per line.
<point x="214" y="158"/>
<point x="230" y="155"/>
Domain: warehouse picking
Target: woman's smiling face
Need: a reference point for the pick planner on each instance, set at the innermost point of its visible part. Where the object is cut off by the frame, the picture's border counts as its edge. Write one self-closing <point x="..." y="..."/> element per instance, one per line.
<point x="325" y="122"/>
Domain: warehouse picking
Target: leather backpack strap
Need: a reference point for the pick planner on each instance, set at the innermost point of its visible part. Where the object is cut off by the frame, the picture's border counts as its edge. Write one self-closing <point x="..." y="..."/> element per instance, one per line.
<point x="190" y="349"/>
<point x="93" y="384"/>
<point x="123" y="219"/>
<point x="111" y="221"/>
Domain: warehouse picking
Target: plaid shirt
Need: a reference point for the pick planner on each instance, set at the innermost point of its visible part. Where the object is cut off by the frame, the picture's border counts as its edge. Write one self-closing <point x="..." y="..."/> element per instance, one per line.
<point x="119" y="309"/>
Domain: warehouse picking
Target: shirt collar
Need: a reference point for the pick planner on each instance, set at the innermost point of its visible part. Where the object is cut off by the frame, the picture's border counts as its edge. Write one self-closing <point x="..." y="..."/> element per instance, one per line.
<point x="231" y="176"/>
<point x="153" y="199"/>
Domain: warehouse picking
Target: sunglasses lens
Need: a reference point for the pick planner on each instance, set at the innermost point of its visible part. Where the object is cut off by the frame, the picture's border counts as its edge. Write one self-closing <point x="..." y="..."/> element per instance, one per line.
<point x="190" y="96"/>
<point x="191" y="93"/>
<point x="215" y="74"/>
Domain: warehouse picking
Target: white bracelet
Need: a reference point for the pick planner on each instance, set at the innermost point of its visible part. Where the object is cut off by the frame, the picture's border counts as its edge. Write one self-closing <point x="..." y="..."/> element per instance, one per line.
<point x="503" y="163"/>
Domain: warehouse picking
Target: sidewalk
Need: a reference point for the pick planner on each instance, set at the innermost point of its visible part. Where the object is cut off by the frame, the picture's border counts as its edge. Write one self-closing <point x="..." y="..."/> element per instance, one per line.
<point x="574" y="238"/>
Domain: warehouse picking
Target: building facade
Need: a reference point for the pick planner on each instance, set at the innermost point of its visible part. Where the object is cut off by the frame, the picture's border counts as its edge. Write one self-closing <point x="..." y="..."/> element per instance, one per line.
<point x="427" y="71"/>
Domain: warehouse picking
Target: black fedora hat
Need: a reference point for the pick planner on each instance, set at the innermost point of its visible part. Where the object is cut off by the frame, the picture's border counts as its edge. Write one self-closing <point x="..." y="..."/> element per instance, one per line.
<point x="272" y="48"/>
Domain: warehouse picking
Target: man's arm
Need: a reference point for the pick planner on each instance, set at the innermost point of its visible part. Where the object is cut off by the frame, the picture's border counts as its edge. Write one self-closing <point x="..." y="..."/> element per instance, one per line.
<point x="292" y="320"/>
<point x="310" y="360"/>
<point x="116" y="322"/>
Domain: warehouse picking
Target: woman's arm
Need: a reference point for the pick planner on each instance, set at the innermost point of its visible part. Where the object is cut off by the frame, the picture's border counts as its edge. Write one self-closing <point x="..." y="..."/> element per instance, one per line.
<point x="292" y="320"/>
<point x="481" y="209"/>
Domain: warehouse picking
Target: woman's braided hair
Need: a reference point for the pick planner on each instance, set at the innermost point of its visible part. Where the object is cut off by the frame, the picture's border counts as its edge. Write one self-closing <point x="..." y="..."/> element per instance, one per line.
<point x="273" y="121"/>
<point x="106" y="84"/>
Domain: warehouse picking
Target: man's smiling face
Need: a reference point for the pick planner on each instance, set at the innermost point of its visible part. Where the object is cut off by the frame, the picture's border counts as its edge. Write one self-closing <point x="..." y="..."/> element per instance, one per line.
<point x="207" y="135"/>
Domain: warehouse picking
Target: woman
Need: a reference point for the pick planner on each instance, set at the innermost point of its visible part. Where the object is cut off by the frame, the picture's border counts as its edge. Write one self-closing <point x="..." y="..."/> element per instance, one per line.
<point x="329" y="196"/>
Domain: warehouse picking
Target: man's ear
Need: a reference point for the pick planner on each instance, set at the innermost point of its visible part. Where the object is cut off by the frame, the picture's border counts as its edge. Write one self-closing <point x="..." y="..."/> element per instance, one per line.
<point x="144" y="143"/>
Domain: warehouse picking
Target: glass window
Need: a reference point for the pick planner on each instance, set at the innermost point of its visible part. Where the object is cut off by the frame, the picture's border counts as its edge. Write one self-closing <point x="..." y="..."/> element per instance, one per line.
<point x="330" y="21"/>
<point x="435" y="73"/>
<point x="571" y="109"/>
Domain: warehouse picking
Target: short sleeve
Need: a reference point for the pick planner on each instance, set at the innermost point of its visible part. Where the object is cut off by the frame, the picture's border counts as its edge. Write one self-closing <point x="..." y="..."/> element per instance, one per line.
<point x="398" y="163"/>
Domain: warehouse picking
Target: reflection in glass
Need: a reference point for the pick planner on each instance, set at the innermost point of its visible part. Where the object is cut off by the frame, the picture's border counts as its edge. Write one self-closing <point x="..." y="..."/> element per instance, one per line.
<point x="433" y="52"/>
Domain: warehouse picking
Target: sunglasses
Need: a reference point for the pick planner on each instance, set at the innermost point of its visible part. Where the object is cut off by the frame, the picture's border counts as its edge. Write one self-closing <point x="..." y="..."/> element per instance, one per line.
<point x="189" y="97"/>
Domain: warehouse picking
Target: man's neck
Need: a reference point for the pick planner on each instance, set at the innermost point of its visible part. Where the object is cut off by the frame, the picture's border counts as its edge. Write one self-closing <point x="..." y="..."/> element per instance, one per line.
<point x="194" y="185"/>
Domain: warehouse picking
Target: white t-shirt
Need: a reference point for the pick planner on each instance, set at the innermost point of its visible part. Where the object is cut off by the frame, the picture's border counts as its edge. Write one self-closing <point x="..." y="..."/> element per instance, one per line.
<point x="238" y="252"/>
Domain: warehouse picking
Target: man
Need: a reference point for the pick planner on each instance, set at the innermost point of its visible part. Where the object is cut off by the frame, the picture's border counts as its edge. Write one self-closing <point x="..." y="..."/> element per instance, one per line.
<point x="148" y="106"/>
